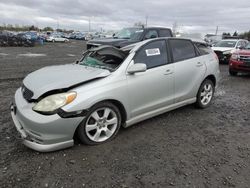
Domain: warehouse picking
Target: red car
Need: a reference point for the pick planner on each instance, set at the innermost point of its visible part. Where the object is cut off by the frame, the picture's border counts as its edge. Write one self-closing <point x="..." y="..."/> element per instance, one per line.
<point x="240" y="61"/>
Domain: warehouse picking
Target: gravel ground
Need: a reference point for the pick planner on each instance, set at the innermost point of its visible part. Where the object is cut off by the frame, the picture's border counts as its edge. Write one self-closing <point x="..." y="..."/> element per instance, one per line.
<point x="183" y="148"/>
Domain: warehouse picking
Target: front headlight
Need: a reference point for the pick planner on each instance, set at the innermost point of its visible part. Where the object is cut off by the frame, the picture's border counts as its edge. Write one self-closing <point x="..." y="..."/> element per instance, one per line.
<point x="235" y="57"/>
<point x="53" y="102"/>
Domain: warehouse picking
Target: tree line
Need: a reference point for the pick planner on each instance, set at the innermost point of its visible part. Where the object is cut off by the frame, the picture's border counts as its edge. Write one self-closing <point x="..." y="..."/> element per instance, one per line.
<point x="17" y="28"/>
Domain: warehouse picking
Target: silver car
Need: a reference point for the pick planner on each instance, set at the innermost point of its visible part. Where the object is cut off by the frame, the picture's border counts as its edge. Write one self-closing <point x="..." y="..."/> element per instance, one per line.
<point x="109" y="88"/>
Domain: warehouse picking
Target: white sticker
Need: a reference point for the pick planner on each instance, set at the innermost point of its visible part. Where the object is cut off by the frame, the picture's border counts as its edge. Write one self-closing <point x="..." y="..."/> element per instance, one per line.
<point x="152" y="52"/>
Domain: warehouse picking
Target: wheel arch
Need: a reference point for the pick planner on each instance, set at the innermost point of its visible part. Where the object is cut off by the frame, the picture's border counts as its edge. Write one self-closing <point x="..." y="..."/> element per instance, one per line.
<point x="212" y="78"/>
<point x="120" y="106"/>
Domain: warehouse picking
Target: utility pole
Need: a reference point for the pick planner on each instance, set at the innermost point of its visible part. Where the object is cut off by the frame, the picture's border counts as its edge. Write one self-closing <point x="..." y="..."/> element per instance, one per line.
<point x="57" y="26"/>
<point x="216" y="31"/>
<point x="89" y="24"/>
<point x="175" y="27"/>
<point x="146" y="24"/>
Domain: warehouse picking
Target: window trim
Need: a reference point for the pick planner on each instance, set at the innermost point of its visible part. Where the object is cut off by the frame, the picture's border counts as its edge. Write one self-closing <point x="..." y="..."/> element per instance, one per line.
<point x="167" y="51"/>
<point x="171" y="50"/>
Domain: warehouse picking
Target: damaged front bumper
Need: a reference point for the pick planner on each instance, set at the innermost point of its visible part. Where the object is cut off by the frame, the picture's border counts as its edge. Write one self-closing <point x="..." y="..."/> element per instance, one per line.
<point x="41" y="132"/>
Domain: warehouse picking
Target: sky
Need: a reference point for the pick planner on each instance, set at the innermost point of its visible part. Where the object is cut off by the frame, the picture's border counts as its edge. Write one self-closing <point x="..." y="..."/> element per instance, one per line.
<point x="191" y="16"/>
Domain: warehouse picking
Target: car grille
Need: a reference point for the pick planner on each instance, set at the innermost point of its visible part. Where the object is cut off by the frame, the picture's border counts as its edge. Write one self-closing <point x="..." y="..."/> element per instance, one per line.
<point x="245" y="59"/>
<point x="27" y="94"/>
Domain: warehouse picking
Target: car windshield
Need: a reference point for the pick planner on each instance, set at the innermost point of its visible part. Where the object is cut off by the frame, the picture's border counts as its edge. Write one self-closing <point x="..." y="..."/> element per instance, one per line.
<point x="103" y="59"/>
<point x="136" y="35"/>
<point x="229" y="44"/>
<point x="126" y="33"/>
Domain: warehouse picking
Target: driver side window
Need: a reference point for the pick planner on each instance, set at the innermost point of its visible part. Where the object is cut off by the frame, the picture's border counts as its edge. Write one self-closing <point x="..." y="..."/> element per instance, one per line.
<point x="153" y="54"/>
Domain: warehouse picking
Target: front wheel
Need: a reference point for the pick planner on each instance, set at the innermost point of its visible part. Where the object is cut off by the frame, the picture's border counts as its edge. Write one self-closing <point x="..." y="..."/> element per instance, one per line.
<point x="101" y="124"/>
<point x="205" y="94"/>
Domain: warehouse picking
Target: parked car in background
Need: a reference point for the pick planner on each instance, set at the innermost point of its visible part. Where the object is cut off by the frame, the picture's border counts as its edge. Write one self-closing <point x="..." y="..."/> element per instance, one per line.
<point x="131" y="35"/>
<point x="226" y="47"/>
<point x="240" y="61"/>
<point x="80" y="36"/>
<point x="109" y="88"/>
<point x="56" y="38"/>
<point x="16" y="39"/>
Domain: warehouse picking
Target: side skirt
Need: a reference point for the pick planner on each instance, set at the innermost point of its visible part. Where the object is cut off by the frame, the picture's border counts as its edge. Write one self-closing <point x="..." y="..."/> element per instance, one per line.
<point x="159" y="111"/>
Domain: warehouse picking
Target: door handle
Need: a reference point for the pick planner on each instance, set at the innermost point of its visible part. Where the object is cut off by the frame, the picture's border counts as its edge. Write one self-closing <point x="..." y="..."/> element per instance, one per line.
<point x="168" y="71"/>
<point x="199" y="64"/>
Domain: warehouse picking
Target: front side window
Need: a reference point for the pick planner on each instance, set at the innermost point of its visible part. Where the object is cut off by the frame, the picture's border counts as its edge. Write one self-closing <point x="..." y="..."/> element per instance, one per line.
<point x="153" y="54"/>
<point x="203" y="48"/>
<point x="248" y="46"/>
<point x="151" y="34"/>
<point x="182" y="49"/>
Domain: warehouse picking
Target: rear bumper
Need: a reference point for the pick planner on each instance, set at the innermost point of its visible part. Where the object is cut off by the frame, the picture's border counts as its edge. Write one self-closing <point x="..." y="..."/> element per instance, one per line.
<point x="43" y="133"/>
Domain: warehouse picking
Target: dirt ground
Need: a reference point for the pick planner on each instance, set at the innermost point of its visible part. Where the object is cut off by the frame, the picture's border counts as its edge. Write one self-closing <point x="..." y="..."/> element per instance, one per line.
<point x="183" y="148"/>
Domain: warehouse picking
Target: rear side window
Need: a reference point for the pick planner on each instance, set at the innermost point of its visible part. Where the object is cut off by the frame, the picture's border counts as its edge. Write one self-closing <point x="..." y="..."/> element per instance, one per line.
<point x="153" y="54"/>
<point x="182" y="49"/>
<point x="203" y="48"/>
<point x="164" y="33"/>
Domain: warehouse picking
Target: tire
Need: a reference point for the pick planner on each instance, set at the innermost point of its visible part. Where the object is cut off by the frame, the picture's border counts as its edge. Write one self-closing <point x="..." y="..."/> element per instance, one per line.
<point x="233" y="73"/>
<point x="96" y="128"/>
<point x="205" y="94"/>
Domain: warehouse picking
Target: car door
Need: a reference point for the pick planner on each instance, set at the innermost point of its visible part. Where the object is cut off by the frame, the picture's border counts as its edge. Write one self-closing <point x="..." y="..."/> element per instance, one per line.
<point x="189" y="69"/>
<point x="153" y="88"/>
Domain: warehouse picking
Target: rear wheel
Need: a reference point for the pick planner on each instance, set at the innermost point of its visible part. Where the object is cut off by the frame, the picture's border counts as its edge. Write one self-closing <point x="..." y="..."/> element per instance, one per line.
<point x="101" y="124"/>
<point x="205" y="94"/>
<point x="233" y="73"/>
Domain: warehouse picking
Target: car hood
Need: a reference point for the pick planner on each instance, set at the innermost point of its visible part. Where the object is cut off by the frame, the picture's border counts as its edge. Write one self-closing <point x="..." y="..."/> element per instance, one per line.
<point x="222" y="49"/>
<point x="61" y="77"/>
<point x="128" y="42"/>
<point x="111" y="41"/>
<point x="244" y="52"/>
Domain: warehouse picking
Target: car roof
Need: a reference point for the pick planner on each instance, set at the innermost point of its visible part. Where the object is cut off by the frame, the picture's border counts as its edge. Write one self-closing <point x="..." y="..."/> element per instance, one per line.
<point x="134" y="47"/>
<point x="231" y="39"/>
<point x="156" y="28"/>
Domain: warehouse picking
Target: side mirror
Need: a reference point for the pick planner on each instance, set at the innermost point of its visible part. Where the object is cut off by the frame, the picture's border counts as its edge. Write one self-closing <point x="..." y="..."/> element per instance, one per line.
<point x="138" y="67"/>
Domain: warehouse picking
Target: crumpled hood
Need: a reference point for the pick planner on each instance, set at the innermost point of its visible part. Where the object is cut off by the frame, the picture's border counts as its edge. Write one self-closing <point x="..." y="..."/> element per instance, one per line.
<point x="61" y="77"/>
<point x="222" y="49"/>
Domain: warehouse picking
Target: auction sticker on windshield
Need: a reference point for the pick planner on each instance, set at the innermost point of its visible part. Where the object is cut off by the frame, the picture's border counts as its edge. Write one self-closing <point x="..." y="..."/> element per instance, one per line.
<point x="152" y="52"/>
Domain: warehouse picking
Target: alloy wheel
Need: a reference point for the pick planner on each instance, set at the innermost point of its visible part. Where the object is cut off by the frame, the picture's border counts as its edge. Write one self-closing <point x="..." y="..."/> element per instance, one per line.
<point x="206" y="94"/>
<point x="101" y="124"/>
